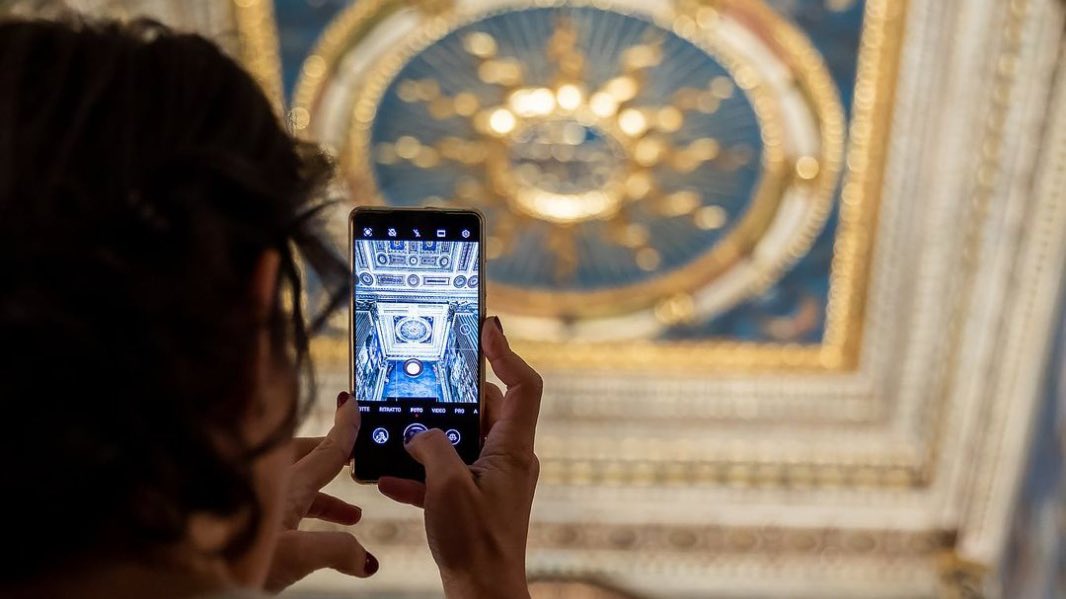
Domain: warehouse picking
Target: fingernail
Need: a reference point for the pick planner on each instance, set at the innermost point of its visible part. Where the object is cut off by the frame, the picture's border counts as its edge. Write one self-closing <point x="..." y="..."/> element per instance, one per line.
<point x="499" y="325"/>
<point x="371" y="565"/>
<point x="341" y="398"/>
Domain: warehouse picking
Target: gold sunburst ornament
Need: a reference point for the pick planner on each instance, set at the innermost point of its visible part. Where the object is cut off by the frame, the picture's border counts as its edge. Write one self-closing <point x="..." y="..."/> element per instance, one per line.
<point x="640" y="165"/>
<point x="566" y="154"/>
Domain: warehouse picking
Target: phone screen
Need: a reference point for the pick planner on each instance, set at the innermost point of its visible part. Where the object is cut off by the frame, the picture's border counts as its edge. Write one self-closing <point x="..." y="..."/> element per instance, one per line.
<point x="416" y="314"/>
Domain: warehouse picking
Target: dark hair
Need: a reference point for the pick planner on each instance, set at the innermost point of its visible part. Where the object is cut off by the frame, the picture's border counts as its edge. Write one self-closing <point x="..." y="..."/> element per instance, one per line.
<point x="142" y="175"/>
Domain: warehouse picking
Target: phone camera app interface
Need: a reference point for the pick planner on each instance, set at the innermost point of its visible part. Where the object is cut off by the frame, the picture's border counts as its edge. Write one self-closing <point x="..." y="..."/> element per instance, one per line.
<point x="416" y="331"/>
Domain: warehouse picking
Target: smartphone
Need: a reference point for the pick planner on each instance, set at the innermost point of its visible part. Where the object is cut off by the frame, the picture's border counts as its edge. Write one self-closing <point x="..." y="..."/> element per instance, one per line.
<point x="416" y="311"/>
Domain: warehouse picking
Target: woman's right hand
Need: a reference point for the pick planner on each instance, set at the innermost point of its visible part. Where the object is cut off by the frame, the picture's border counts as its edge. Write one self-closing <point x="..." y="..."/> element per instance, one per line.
<point x="477" y="517"/>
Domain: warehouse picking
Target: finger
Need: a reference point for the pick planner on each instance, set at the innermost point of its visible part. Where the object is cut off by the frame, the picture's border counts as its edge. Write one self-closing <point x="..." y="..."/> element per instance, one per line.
<point x="329" y="508"/>
<point x="402" y="490"/>
<point x="301" y="552"/>
<point x="493" y="404"/>
<point x="302" y="446"/>
<point x="436" y="453"/>
<point x="323" y="463"/>
<point x="521" y="405"/>
<point x="510" y="368"/>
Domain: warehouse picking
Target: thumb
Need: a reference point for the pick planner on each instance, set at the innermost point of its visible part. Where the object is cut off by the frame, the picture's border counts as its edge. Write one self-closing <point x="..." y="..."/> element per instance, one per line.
<point x="436" y="453"/>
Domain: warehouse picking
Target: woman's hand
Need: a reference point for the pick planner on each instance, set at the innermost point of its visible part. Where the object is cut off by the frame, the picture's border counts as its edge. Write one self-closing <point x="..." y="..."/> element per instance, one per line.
<point x="477" y="517"/>
<point x="318" y="461"/>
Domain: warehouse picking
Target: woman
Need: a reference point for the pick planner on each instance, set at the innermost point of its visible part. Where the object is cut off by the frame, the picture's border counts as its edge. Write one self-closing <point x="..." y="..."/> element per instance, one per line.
<point x="151" y="213"/>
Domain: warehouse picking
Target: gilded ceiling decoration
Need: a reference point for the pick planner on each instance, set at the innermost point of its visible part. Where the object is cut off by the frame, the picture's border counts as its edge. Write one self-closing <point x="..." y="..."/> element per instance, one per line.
<point x="662" y="181"/>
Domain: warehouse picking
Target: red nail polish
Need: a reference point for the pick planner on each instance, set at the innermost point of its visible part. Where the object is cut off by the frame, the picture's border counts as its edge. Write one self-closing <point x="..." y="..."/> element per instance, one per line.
<point x="499" y="325"/>
<point x="341" y="398"/>
<point x="370" y="565"/>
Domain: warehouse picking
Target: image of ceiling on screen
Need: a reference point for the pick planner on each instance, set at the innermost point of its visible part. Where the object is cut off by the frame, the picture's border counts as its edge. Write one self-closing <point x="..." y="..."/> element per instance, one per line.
<point x="416" y="320"/>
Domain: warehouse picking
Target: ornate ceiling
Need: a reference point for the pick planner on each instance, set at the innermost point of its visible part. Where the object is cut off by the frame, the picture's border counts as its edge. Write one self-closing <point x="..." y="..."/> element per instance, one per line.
<point x="773" y="328"/>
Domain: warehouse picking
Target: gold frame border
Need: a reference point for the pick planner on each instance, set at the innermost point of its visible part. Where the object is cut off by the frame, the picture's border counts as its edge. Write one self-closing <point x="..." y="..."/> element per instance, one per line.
<point x="860" y="197"/>
<point x="258" y="47"/>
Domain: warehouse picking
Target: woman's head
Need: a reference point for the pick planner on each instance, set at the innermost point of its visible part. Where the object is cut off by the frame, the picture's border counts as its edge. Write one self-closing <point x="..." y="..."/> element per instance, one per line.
<point x="151" y="207"/>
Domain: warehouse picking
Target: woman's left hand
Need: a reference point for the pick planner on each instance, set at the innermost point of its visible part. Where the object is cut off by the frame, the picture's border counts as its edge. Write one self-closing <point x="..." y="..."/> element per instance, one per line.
<point x="317" y="462"/>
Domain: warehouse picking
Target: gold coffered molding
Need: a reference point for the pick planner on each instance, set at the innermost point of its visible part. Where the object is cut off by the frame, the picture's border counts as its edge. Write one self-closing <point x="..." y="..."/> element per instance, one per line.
<point x="257" y="37"/>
